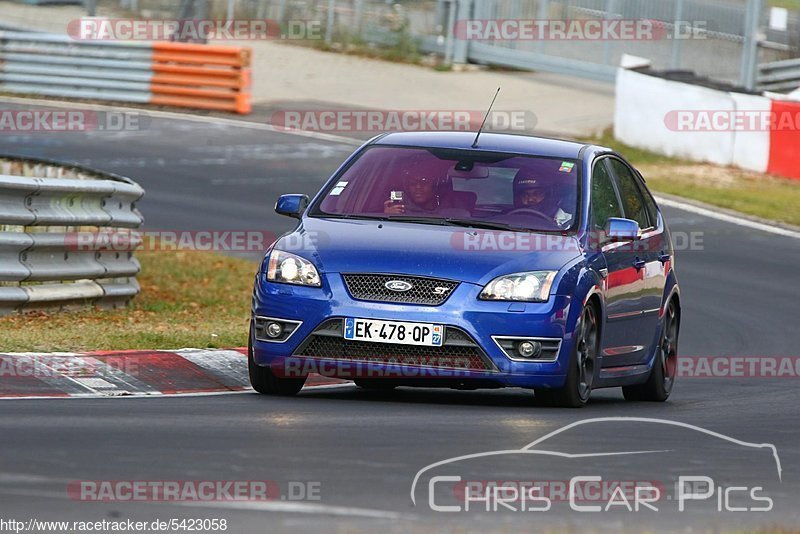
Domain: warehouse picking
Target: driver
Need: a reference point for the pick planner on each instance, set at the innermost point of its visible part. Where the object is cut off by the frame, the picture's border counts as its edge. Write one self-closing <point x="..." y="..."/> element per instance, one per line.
<point x="533" y="193"/>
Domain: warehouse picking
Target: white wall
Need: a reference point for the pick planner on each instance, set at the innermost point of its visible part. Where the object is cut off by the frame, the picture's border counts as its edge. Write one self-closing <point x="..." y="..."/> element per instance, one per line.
<point x="644" y="105"/>
<point x="751" y="148"/>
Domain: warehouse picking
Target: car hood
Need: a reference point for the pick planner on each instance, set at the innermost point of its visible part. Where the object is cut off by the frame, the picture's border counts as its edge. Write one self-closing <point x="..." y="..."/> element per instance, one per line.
<point x="465" y="254"/>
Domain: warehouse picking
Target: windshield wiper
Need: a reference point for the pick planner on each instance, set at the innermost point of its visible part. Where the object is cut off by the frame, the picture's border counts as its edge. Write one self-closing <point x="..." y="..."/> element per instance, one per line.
<point x="415" y="219"/>
<point x="439" y="221"/>
<point x="469" y="223"/>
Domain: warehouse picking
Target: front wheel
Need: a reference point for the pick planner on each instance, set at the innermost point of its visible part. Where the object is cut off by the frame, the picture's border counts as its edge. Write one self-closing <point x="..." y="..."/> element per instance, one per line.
<point x="264" y="380"/>
<point x="662" y="375"/>
<point x="581" y="373"/>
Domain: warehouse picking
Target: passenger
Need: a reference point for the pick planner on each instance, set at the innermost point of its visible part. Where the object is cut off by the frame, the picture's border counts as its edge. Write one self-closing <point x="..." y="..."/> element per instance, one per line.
<point x="419" y="195"/>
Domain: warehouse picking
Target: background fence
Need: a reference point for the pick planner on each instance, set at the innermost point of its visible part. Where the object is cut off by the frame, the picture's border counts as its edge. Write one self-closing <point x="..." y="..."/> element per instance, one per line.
<point x="736" y="36"/>
<point x="43" y="206"/>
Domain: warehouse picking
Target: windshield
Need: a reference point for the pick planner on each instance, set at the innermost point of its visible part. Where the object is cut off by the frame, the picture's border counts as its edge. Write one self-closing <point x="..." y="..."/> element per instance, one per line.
<point x="456" y="187"/>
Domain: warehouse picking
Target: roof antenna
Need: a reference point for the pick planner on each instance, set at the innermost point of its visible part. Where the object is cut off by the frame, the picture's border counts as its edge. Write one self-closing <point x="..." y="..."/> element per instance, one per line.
<point x="475" y="142"/>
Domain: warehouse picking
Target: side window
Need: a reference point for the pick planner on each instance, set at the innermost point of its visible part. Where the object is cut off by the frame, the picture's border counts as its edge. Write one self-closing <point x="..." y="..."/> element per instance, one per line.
<point x="649" y="204"/>
<point x="632" y="201"/>
<point x="604" y="198"/>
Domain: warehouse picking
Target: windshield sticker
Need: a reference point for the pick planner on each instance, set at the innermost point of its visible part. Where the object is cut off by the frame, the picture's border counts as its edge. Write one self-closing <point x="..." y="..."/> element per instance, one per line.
<point x="336" y="191"/>
<point x="566" y="166"/>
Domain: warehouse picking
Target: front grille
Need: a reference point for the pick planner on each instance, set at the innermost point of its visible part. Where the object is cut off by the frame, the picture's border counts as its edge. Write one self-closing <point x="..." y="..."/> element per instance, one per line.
<point x="428" y="291"/>
<point x="458" y="351"/>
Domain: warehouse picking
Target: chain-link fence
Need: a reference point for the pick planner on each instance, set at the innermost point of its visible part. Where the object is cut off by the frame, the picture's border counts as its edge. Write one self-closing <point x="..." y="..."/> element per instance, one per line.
<point x="720" y="39"/>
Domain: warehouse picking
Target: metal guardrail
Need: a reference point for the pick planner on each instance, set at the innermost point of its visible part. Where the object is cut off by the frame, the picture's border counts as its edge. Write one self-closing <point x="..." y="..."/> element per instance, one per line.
<point x="44" y="206"/>
<point x="779" y="75"/>
<point x="160" y="73"/>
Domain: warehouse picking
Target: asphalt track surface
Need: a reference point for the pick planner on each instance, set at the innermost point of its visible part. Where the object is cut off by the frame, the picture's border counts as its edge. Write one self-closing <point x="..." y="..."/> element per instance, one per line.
<point x="365" y="448"/>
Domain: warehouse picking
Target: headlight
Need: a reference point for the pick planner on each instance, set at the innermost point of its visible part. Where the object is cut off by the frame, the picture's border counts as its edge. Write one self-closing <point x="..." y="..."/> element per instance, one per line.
<point x="291" y="269"/>
<point x="531" y="287"/>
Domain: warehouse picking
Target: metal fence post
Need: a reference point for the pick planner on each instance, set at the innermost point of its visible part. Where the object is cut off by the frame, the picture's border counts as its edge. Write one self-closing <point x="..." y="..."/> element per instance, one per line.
<point x="451" y="21"/>
<point x="329" y="22"/>
<point x="359" y="16"/>
<point x="282" y="11"/>
<point x="542" y="13"/>
<point x="611" y="7"/>
<point x="749" y="67"/>
<point x="677" y="41"/>
<point x="461" y="46"/>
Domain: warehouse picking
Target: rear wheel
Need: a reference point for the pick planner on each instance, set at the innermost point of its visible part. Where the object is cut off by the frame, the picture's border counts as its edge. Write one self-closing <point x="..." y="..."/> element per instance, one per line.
<point x="581" y="373"/>
<point x="662" y="375"/>
<point x="264" y="380"/>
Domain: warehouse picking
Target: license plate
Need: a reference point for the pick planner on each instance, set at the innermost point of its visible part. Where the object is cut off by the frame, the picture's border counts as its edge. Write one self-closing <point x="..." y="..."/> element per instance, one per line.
<point x="427" y="334"/>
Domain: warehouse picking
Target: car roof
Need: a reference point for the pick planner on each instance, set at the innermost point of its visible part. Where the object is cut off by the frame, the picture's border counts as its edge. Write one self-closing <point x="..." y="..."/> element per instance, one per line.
<point x="493" y="142"/>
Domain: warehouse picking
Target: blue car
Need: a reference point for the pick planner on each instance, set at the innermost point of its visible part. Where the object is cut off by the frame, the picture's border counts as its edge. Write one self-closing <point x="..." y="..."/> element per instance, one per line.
<point x="441" y="260"/>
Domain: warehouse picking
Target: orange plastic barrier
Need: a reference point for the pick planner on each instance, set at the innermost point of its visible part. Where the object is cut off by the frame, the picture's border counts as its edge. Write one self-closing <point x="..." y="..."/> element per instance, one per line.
<point x="201" y="76"/>
<point x="784" y="142"/>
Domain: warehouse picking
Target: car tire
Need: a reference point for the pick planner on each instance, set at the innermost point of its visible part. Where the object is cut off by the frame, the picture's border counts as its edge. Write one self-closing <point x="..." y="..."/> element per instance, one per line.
<point x="264" y="380"/>
<point x="582" y="366"/>
<point x="374" y="384"/>
<point x="662" y="376"/>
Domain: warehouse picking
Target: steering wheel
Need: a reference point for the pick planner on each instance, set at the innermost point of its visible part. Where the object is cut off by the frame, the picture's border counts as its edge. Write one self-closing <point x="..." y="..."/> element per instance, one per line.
<point x="530" y="211"/>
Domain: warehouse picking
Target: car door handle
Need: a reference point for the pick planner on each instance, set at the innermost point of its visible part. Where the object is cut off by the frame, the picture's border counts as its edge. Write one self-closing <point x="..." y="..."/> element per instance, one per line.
<point x="639" y="263"/>
<point x="663" y="257"/>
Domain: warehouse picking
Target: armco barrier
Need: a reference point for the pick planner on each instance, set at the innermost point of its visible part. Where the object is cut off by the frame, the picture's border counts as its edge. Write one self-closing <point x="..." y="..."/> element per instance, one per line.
<point x="645" y="117"/>
<point x="42" y="204"/>
<point x="162" y="73"/>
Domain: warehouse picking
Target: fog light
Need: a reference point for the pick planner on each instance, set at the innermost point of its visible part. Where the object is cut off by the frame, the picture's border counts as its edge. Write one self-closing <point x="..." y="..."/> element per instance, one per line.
<point x="274" y="329"/>
<point x="529" y="349"/>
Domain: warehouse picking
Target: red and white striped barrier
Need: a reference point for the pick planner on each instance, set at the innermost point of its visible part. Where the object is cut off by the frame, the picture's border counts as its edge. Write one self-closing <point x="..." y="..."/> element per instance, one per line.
<point x="699" y="123"/>
<point x="126" y="373"/>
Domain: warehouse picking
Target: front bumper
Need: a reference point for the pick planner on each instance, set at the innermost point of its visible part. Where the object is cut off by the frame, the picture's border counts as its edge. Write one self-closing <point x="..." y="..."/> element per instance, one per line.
<point x="480" y="320"/>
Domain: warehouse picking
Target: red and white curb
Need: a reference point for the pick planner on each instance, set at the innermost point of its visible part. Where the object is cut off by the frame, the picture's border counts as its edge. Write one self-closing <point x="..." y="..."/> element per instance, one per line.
<point x="129" y="373"/>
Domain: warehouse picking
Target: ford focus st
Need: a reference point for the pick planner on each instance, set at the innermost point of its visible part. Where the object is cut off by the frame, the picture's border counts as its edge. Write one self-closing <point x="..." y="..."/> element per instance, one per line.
<point x="438" y="259"/>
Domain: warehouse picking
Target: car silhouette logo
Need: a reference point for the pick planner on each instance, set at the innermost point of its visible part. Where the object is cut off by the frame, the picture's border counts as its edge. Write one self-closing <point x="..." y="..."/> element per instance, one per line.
<point x="398" y="285"/>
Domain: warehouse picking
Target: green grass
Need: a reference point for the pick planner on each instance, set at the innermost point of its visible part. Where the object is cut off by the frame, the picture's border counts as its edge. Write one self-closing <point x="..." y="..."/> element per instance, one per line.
<point x="760" y="195"/>
<point x="793" y="5"/>
<point x="188" y="299"/>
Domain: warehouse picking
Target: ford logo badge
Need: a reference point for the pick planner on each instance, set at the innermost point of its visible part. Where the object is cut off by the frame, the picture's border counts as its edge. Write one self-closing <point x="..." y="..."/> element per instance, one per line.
<point x="398" y="285"/>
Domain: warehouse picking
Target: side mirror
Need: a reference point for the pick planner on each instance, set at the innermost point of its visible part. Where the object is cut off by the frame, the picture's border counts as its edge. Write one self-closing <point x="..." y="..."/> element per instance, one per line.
<point x="618" y="229"/>
<point x="291" y="205"/>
